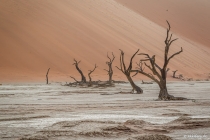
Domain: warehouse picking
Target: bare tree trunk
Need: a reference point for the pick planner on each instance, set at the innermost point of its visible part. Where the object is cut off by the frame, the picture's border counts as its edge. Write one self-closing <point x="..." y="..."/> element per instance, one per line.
<point x="163" y="94"/>
<point x="47" y="75"/>
<point x="83" y="79"/>
<point x="134" y="86"/>
<point x="110" y="78"/>
<point x="91" y="71"/>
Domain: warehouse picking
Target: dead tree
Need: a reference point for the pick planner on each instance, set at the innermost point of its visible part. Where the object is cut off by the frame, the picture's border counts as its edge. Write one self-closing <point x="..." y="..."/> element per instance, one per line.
<point x="159" y="74"/>
<point x="91" y="71"/>
<point x="76" y="63"/>
<point x="109" y="63"/>
<point x="47" y="75"/>
<point x="127" y="72"/>
<point x="174" y="74"/>
<point x="181" y="77"/>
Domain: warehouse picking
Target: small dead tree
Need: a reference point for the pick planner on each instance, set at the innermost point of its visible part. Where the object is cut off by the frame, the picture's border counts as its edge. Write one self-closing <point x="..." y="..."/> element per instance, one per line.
<point x="83" y="79"/>
<point x="159" y="74"/>
<point x="127" y="71"/>
<point x="109" y="63"/>
<point x="47" y="75"/>
<point x="90" y="72"/>
<point x="174" y="74"/>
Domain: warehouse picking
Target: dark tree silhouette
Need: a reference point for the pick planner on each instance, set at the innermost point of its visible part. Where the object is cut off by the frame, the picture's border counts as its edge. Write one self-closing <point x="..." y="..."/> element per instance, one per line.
<point x="159" y="74"/>
<point x="174" y="74"/>
<point x="127" y="72"/>
<point x="83" y="79"/>
<point x="47" y="75"/>
<point x="109" y="63"/>
<point x="90" y="72"/>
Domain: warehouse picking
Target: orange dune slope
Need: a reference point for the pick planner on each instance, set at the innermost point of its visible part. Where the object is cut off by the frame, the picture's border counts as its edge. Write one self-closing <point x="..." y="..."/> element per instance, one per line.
<point x="37" y="34"/>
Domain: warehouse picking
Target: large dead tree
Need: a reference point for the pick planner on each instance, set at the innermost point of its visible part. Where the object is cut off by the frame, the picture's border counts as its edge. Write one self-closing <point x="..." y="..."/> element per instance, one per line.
<point x="127" y="72"/>
<point x="159" y="74"/>
<point x="90" y="72"/>
<point x="109" y="63"/>
<point x="76" y="63"/>
<point x="47" y="75"/>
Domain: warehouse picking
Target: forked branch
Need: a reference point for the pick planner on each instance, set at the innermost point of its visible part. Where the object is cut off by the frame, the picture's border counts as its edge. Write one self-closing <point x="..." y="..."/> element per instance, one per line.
<point x="148" y="58"/>
<point x="110" y="60"/>
<point x="140" y="69"/>
<point x="175" y="54"/>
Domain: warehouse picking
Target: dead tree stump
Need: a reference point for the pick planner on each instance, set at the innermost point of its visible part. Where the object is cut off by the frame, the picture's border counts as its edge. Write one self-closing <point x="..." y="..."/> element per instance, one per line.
<point x="174" y="74"/>
<point x="47" y="75"/>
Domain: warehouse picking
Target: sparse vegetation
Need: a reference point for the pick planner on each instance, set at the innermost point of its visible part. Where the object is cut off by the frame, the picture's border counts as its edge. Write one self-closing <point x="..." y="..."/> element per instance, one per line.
<point x="158" y="74"/>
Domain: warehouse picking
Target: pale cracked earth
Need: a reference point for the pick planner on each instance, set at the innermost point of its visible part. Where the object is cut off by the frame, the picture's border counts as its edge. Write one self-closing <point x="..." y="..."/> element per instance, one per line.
<point x="56" y="112"/>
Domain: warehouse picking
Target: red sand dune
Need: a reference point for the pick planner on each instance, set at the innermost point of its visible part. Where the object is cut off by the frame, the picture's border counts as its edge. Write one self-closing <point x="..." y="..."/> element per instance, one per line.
<point x="37" y="34"/>
<point x="190" y="18"/>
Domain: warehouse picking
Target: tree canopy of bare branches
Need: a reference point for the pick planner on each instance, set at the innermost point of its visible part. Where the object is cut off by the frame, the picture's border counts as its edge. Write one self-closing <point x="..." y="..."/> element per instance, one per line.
<point x="127" y="71"/>
<point x="110" y="70"/>
<point x="159" y="74"/>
